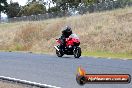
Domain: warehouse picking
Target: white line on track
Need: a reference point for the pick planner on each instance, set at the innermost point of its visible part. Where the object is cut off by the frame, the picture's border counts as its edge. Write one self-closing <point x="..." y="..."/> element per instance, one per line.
<point x="27" y="82"/>
<point x="109" y="58"/>
<point x="124" y="59"/>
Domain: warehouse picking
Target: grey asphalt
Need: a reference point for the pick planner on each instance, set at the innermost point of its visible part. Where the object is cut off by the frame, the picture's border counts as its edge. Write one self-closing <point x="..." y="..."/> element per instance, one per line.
<point x="60" y="72"/>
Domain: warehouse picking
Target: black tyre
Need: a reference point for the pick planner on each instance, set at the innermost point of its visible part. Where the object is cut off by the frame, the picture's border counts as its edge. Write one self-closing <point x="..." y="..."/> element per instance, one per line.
<point x="59" y="53"/>
<point x="77" y="52"/>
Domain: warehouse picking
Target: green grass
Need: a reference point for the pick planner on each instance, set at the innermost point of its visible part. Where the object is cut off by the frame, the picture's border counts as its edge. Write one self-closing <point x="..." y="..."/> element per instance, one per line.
<point x="7" y="25"/>
<point x="108" y="54"/>
<point x="11" y="25"/>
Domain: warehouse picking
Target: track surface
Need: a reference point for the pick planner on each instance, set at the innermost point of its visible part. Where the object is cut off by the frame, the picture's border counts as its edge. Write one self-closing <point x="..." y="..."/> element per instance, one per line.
<point x="60" y="72"/>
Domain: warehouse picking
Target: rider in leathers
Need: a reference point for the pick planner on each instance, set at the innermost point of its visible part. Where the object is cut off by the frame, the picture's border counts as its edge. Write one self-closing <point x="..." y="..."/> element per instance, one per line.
<point x="66" y="32"/>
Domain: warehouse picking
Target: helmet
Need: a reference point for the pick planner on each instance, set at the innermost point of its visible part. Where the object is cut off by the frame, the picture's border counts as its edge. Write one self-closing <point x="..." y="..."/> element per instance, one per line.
<point x="67" y="30"/>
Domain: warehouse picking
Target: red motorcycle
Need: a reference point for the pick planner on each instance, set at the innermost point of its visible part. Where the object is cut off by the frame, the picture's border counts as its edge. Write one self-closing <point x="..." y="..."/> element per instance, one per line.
<point x="72" y="47"/>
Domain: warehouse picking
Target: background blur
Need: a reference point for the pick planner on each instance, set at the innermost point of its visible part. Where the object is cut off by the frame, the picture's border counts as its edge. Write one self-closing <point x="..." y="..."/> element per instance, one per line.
<point x="36" y="10"/>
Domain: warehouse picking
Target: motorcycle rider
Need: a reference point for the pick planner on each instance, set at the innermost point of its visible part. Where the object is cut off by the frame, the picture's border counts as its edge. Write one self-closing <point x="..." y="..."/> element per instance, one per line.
<point x="66" y="32"/>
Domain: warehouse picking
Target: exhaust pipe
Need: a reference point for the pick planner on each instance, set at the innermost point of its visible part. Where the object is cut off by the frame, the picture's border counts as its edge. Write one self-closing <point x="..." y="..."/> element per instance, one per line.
<point x="56" y="48"/>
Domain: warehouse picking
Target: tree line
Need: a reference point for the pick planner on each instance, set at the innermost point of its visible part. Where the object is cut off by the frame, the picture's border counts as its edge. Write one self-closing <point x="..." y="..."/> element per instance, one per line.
<point x="34" y="7"/>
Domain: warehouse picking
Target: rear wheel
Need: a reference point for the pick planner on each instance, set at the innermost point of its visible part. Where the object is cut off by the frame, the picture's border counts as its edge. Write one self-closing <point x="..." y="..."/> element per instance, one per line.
<point x="77" y="52"/>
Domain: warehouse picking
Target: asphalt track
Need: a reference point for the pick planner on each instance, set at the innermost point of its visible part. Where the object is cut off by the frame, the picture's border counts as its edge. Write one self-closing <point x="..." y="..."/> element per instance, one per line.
<point x="60" y="72"/>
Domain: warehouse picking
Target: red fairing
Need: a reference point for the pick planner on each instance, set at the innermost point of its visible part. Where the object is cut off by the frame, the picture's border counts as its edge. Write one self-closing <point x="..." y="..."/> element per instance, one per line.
<point x="72" y="41"/>
<point x="58" y="41"/>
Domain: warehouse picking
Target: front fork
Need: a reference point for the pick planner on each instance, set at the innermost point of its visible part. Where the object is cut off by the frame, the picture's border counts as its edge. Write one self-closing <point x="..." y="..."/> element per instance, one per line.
<point x="59" y="48"/>
<point x="56" y="48"/>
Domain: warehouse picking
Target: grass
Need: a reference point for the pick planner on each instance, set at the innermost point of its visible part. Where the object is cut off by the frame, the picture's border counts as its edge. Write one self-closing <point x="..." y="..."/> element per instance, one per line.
<point x="109" y="31"/>
<point x="108" y="55"/>
<point x="9" y="25"/>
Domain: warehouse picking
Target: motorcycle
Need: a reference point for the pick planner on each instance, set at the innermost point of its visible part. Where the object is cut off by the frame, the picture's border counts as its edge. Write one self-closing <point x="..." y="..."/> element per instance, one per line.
<point x="72" y="47"/>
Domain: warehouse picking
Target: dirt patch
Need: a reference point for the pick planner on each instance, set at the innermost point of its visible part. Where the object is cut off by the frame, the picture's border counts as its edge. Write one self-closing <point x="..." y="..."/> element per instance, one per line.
<point x="10" y="85"/>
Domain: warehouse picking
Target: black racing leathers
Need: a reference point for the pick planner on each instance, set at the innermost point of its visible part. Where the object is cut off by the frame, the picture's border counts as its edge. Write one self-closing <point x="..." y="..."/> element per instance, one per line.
<point x="63" y="39"/>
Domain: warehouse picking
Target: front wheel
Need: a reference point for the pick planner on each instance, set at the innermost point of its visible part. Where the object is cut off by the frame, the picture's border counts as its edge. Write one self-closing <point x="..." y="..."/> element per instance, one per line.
<point x="77" y="52"/>
<point x="59" y="53"/>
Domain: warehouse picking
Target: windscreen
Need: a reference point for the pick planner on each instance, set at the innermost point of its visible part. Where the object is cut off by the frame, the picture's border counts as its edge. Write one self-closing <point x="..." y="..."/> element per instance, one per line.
<point x="74" y="36"/>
